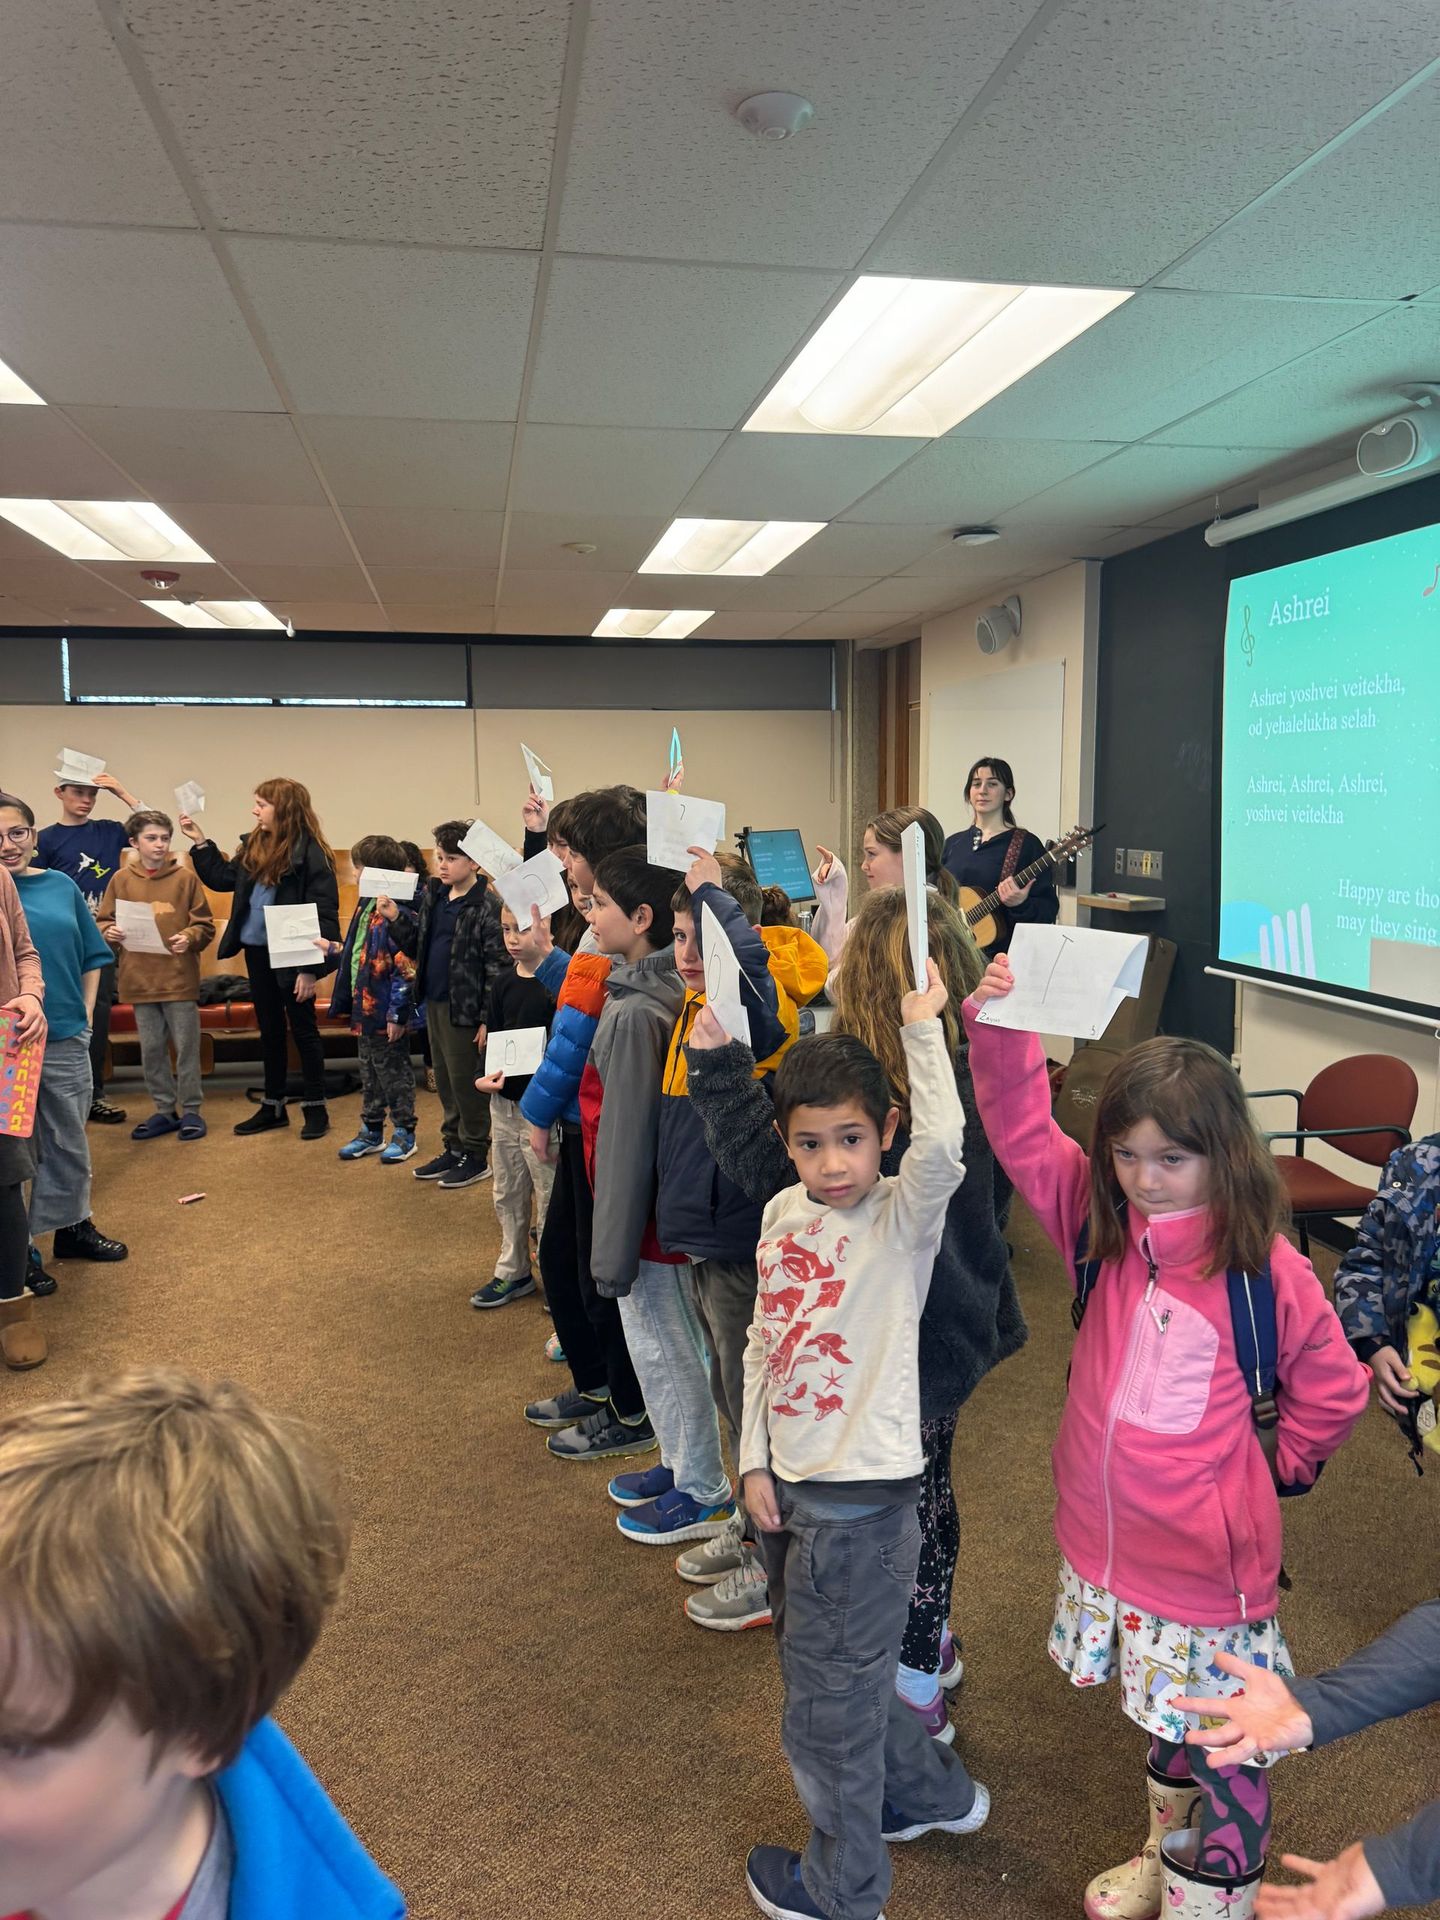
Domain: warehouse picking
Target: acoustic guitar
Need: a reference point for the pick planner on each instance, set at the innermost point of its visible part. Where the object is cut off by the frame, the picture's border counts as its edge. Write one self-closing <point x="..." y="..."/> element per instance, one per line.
<point x="984" y="914"/>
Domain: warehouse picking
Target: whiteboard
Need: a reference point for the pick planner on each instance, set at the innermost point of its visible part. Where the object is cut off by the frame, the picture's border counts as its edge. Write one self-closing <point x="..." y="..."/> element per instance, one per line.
<point x="1018" y="715"/>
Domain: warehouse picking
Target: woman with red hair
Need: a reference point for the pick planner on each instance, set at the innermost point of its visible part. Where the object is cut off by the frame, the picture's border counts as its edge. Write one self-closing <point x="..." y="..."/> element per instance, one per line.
<point x="285" y="862"/>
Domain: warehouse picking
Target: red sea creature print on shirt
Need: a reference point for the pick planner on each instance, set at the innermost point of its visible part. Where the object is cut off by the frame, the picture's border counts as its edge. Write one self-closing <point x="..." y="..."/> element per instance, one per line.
<point x="788" y="1314"/>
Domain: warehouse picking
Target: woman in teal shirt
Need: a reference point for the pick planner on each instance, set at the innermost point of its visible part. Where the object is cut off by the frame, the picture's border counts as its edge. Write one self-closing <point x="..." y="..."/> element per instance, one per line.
<point x="72" y="955"/>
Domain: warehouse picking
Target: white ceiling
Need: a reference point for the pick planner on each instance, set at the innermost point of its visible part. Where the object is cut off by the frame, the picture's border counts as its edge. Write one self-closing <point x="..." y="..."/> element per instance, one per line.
<point x="391" y="307"/>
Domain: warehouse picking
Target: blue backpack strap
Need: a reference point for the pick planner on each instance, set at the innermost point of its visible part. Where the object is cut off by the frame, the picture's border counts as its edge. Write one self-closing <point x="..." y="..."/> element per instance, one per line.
<point x="1087" y="1272"/>
<point x="1252" y="1317"/>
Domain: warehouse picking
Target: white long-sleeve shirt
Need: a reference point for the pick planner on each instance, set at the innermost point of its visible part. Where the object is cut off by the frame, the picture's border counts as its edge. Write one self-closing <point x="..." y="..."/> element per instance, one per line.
<point x="831" y="1372"/>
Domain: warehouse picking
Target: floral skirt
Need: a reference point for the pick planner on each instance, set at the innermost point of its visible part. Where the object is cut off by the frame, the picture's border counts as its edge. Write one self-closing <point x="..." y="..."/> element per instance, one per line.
<point x="1157" y="1657"/>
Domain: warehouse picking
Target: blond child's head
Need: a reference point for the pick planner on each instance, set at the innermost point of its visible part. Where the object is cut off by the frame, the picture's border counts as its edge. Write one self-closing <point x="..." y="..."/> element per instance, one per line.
<point x="168" y="1554"/>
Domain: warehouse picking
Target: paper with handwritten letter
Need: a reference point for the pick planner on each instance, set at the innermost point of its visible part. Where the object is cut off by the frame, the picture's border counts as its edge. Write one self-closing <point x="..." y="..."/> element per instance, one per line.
<point x="394" y="882"/>
<point x="489" y="850"/>
<point x="78" y="769"/>
<point x="541" y="780"/>
<point x="1068" y="980"/>
<point x="675" y="822"/>
<point x="722" y="978"/>
<point x="136" y="920"/>
<point x="515" y="1050"/>
<point x="190" y="797"/>
<point x="917" y="900"/>
<point x="291" y="933"/>
<point x="536" y="882"/>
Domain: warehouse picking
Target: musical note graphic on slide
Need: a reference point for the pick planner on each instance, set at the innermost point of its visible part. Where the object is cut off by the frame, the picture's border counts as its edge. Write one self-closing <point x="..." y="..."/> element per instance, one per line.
<point x="1433" y="584"/>
<point x="1294" y="933"/>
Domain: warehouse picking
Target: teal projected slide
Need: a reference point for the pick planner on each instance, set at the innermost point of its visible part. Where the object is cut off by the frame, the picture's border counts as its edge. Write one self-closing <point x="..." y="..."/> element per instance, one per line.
<point x="1330" y="771"/>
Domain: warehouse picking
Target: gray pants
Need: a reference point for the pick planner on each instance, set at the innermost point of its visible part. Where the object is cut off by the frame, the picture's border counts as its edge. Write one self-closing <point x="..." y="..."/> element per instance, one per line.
<point x="458" y="1062"/>
<point x="387" y="1082"/>
<point x="60" y="1196"/>
<point x="158" y="1022"/>
<point x="725" y="1295"/>
<point x="667" y="1351"/>
<point x="840" y="1579"/>
<point x="519" y="1176"/>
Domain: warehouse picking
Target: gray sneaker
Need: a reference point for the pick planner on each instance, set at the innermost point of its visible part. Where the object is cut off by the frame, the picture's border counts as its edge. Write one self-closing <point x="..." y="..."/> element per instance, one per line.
<point x="738" y="1601"/>
<point x="567" y="1409"/>
<point x="702" y="1565"/>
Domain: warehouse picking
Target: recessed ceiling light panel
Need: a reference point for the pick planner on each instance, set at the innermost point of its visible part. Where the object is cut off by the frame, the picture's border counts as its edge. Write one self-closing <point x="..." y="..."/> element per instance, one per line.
<point x="652" y="623"/>
<point x="729" y="547"/>
<point x="14" y="392"/>
<point x="104" y="529"/>
<point x="911" y="358"/>
<point x="242" y="614"/>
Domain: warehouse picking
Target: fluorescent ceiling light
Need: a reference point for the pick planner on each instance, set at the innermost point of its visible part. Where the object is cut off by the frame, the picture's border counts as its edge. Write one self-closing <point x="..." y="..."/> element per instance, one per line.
<point x="13" y="390"/>
<point x="913" y="357"/>
<point x="650" y="623"/>
<point x="244" y="614"/>
<point x="104" y="529"/>
<point x="745" y="547"/>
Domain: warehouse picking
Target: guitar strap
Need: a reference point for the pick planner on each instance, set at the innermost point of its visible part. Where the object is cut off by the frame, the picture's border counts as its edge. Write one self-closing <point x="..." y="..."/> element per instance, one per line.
<point x="1012" y="853"/>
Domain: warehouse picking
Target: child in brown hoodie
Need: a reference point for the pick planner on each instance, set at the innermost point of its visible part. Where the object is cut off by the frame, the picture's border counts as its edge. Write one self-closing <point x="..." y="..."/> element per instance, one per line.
<point x="164" y="987"/>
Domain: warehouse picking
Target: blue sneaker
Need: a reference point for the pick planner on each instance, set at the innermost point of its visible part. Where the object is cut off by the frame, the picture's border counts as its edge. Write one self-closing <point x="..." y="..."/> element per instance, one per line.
<point x="895" y="1825"/>
<point x="674" y="1516"/>
<point x="773" y="1876"/>
<point x="401" y="1147"/>
<point x="154" y="1125"/>
<point x="367" y="1140"/>
<point x="638" y="1489"/>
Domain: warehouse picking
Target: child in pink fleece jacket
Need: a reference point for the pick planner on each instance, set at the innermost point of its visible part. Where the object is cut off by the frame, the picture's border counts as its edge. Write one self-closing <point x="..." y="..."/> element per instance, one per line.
<point x="1166" y="1510"/>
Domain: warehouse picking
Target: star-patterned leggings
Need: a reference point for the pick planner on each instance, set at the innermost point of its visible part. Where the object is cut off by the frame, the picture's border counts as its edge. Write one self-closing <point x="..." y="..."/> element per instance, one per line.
<point x="1235" y="1810"/>
<point x="939" y="1550"/>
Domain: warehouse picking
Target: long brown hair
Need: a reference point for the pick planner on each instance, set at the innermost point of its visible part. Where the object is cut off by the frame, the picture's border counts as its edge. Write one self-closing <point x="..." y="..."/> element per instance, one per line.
<point x="267" y="853"/>
<point x="878" y="973"/>
<point x="887" y="828"/>
<point x="1194" y="1096"/>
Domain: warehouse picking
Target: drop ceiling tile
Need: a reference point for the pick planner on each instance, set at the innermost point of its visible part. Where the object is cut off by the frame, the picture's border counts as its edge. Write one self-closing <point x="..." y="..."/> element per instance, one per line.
<point x="306" y="583"/>
<point x="42" y="457"/>
<point x="435" y="586"/>
<point x="1158" y="357"/>
<point x="276" y="536"/>
<point x="746" y="626"/>
<point x="1361" y="221"/>
<point x="17" y="613"/>
<point x="458" y="620"/>
<point x="75" y="141"/>
<point x="655" y="131"/>
<point x="648" y="345"/>
<point x="521" y="621"/>
<point x="538" y="541"/>
<point x="1181" y="117"/>
<point x="794" y="476"/>
<point x="412" y="463"/>
<point x="619" y="470"/>
<point x="440" y="537"/>
<point x="1016" y="547"/>
<point x="1126" y="540"/>
<point x="409" y="123"/>
<point x="840" y="625"/>
<point x="398" y="332"/>
<point x="1333" y="393"/>
<point x="847" y="549"/>
<point x="335" y="616"/>
<point x="1141" y="482"/>
<point x="49" y="579"/>
<point x="196" y="582"/>
<point x="250" y="459"/>
<point x="128" y="319"/>
<point x="795" y="594"/>
<point x="570" y="592"/>
<point x="971" y="480"/>
<point x="902" y="593"/>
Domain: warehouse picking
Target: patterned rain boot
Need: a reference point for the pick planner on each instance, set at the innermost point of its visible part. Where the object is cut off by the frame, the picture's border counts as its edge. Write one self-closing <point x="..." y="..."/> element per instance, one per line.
<point x="1191" y="1894"/>
<point x="1134" y="1891"/>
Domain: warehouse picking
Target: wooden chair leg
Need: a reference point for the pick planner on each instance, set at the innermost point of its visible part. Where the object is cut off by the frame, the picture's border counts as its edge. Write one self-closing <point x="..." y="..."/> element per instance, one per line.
<point x="207" y="1055"/>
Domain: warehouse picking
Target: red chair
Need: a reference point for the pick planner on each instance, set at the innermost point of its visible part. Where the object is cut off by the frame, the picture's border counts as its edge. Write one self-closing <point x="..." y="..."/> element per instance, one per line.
<point x="1363" y="1107"/>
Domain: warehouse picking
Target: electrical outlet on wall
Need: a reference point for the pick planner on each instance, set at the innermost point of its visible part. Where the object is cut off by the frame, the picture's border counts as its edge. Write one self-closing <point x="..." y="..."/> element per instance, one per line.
<point x="1133" y="857"/>
<point x="1119" y="859"/>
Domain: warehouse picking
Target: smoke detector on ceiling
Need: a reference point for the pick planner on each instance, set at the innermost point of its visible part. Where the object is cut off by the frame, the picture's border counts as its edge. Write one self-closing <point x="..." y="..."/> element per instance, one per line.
<point x="159" y="578"/>
<point x="975" y="536"/>
<point x="775" y="116"/>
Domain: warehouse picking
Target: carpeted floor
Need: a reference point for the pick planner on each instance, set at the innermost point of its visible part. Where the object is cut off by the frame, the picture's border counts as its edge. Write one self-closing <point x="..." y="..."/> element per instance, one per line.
<point x="510" y="1707"/>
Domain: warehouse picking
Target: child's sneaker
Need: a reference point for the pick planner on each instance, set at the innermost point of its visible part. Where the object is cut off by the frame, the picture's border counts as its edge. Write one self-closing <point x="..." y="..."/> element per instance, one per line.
<point x="638" y="1489"/>
<point x="702" y="1566"/>
<point x="564" y="1410"/>
<point x="952" y="1667"/>
<point x="895" y="1825"/>
<point x="741" y="1599"/>
<point x="401" y="1147"/>
<point x="368" y="1140"/>
<point x="444" y="1162"/>
<point x="934" y="1718"/>
<point x="499" y="1293"/>
<point x="601" y="1436"/>
<point x="467" y="1170"/>
<point x="674" y="1516"/>
<point x="773" y="1876"/>
<point x="553" y="1349"/>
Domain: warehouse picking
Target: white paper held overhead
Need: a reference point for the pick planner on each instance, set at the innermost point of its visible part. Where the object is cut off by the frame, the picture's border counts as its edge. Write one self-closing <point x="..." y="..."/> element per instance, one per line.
<point x="78" y="769"/>
<point x="489" y="850"/>
<point x="1068" y="980"/>
<point x="541" y="779"/>
<point x="722" y="978"/>
<point x="290" y="935"/>
<point x="395" y="883"/>
<point x="536" y="882"/>
<point x="917" y="900"/>
<point x="136" y="920"/>
<point x="515" y="1050"/>
<point x="675" y="822"/>
<point x="190" y="797"/>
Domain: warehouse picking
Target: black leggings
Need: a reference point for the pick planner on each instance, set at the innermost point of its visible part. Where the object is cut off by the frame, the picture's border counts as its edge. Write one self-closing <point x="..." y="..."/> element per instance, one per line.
<point x="14" y="1242"/>
<point x="939" y="1550"/>
<point x="275" y="1004"/>
<point x="587" y="1324"/>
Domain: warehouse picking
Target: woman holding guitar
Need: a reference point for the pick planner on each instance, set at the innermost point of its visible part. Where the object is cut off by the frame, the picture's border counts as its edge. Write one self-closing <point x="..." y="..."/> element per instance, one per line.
<point x="989" y="859"/>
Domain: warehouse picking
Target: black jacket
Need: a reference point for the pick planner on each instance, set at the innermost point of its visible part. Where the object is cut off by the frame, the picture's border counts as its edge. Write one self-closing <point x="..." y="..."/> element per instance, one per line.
<point x="309" y="878"/>
<point x="972" y="1319"/>
<point x="477" y="953"/>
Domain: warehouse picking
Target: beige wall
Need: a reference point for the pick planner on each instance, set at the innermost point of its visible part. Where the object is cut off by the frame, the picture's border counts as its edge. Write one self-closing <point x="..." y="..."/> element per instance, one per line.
<point x="402" y="771"/>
